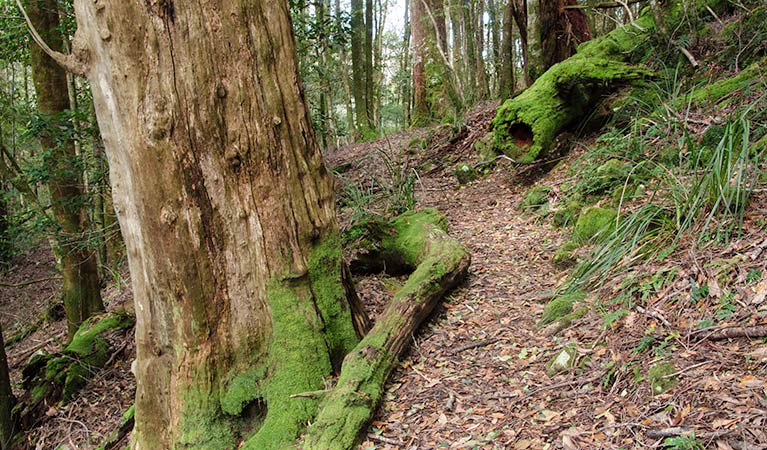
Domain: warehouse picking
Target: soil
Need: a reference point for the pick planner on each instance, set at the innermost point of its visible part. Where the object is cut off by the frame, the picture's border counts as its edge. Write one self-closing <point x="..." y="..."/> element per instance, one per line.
<point x="475" y="376"/>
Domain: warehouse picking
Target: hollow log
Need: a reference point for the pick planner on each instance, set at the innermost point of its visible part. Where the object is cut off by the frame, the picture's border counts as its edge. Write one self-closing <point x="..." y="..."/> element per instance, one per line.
<point x="419" y="240"/>
<point x="525" y="126"/>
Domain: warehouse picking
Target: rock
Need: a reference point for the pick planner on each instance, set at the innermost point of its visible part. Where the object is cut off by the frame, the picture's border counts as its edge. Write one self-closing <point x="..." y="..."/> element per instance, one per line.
<point x="465" y="173"/>
<point x="563" y="360"/>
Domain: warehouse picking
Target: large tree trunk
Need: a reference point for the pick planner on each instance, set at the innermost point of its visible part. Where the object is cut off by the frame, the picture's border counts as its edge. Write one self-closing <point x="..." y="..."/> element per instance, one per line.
<point x="79" y="263"/>
<point x="228" y="215"/>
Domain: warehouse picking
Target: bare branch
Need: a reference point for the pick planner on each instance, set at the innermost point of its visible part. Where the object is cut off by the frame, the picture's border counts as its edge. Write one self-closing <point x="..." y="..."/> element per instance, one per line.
<point x="69" y="62"/>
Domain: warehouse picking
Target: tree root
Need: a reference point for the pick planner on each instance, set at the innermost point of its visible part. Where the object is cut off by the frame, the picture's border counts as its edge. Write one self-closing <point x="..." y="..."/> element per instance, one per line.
<point x="420" y="241"/>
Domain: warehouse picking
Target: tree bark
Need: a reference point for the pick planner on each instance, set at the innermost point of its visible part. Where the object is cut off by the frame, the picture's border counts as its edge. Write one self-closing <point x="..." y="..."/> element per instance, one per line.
<point x="561" y="31"/>
<point x="506" y="81"/>
<point x="7" y="400"/>
<point x="483" y="89"/>
<point x="369" y="73"/>
<point x="420" y="113"/>
<point x="358" y="67"/>
<point x="79" y="263"/>
<point x="228" y="216"/>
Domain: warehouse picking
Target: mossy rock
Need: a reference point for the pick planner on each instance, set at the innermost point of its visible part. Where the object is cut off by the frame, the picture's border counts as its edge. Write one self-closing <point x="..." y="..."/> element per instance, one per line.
<point x="563" y="360"/>
<point x="535" y="199"/>
<point x="566" y="256"/>
<point x="610" y="174"/>
<point x="465" y="173"/>
<point x="567" y="215"/>
<point x="560" y="307"/>
<point x="486" y="147"/>
<point x="661" y="377"/>
<point x="594" y="224"/>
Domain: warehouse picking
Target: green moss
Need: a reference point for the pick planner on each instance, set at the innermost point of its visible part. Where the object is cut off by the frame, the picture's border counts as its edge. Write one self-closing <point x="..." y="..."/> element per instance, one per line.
<point x="485" y="147"/>
<point x="566" y="256"/>
<point x="409" y="237"/>
<point x="568" y="214"/>
<point x="715" y="92"/>
<point x="594" y="223"/>
<point x="661" y="379"/>
<point x="560" y="307"/>
<point x="535" y="198"/>
<point x="298" y="362"/>
<point x="241" y="390"/>
<point x="325" y="266"/>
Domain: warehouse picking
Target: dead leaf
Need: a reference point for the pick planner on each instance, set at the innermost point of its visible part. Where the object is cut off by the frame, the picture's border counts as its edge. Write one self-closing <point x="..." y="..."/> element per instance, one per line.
<point x="713" y="288"/>
<point x="724" y="423"/>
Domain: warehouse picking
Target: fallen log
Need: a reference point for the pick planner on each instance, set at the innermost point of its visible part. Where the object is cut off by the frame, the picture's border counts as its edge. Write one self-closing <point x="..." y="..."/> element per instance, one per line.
<point x="525" y="126"/>
<point x="418" y="240"/>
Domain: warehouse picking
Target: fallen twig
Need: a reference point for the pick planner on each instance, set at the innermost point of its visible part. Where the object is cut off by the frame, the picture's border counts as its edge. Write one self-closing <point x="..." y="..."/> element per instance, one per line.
<point x="472" y="345"/>
<point x="654" y="314"/>
<point x="385" y="440"/>
<point x="17" y="359"/>
<point x="28" y="282"/>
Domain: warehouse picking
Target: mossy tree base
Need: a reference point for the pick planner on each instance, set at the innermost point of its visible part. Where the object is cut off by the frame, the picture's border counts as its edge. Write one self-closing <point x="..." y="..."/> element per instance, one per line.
<point x="50" y="378"/>
<point x="417" y="240"/>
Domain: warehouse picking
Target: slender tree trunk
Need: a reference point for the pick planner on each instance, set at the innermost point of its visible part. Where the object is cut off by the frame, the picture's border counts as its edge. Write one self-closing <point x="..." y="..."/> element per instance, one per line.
<point x="483" y="90"/>
<point x="358" y="67"/>
<point x="81" y="291"/>
<point x="470" y="48"/>
<point x="7" y="400"/>
<point x="506" y="81"/>
<point x="369" y="75"/>
<point x="405" y="65"/>
<point x="229" y="219"/>
<point x="519" y="10"/>
<point x="458" y="57"/>
<point x="495" y="35"/>
<point x="420" y="112"/>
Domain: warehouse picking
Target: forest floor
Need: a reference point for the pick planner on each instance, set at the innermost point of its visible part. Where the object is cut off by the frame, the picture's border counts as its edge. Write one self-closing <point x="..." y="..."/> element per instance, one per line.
<point x="475" y="376"/>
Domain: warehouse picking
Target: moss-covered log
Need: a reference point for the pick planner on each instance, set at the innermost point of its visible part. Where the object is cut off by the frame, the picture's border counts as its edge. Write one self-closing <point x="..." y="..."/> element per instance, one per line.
<point x="525" y="126"/>
<point x="417" y="240"/>
<point x="50" y="378"/>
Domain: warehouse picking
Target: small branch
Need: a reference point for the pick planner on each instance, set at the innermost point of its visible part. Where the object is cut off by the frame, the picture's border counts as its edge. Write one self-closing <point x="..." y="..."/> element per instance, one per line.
<point x="27" y="283"/>
<point x="484" y="163"/>
<point x="656" y="315"/>
<point x="69" y="62"/>
<point x="311" y="394"/>
<point x="472" y="345"/>
<point x="385" y="440"/>
<point x="689" y="56"/>
<point x="729" y="333"/>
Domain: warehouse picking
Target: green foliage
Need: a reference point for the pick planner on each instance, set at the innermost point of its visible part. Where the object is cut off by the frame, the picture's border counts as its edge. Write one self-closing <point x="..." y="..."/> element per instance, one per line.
<point x="683" y="442"/>
<point x="536" y="198"/>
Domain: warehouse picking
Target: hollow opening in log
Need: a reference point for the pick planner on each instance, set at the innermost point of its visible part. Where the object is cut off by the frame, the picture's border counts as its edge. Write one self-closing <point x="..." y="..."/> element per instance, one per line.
<point x="522" y="135"/>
